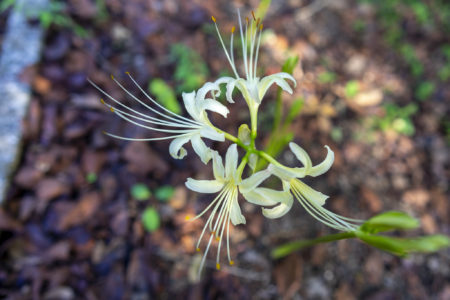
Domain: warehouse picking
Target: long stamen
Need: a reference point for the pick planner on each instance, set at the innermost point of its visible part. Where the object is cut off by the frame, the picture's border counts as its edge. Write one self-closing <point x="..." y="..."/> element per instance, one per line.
<point x="204" y="255"/>
<point x="224" y="48"/>
<point x="244" y="45"/>
<point x="257" y="49"/>
<point x="144" y="139"/>
<point x="137" y="112"/>
<point x="149" y="119"/>
<point x="231" y="46"/>
<point x="180" y="119"/>
<point x="153" y="128"/>
<point x="222" y="228"/>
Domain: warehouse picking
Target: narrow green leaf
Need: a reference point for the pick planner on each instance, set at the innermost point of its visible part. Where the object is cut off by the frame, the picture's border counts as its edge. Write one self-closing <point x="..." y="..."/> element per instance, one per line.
<point x="405" y="246"/>
<point x="289" y="64"/>
<point x="165" y="95"/>
<point x="294" y="110"/>
<point x="385" y="243"/>
<point x="390" y="220"/>
<point x="150" y="219"/>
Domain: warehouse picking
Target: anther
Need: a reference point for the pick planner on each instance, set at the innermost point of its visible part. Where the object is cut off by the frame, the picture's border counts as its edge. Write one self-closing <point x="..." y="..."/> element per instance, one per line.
<point x="214" y="19"/>
<point x="111" y="109"/>
<point x="253" y="14"/>
<point x="218" y="266"/>
<point x="102" y="101"/>
<point x="257" y="21"/>
<point x="217" y="238"/>
<point x="233" y="29"/>
<point x="213" y="232"/>
<point x="187" y="218"/>
<point x="112" y="76"/>
<point x="246" y="20"/>
<point x="198" y="249"/>
<point x="231" y="262"/>
<point x="128" y="73"/>
<point x="261" y="27"/>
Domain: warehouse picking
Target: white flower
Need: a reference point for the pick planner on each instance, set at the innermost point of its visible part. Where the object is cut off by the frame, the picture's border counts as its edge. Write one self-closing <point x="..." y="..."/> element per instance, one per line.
<point x="225" y="207"/>
<point x="181" y="129"/>
<point x="252" y="87"/>
<point x="309" y="198"/>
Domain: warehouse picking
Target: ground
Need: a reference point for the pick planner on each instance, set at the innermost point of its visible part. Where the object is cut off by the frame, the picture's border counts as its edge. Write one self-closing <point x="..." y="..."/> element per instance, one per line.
<point x="71" y="228"/>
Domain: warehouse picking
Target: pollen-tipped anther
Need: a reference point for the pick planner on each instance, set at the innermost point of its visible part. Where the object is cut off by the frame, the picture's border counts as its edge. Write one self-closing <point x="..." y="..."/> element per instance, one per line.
<point x="213" y="19"/>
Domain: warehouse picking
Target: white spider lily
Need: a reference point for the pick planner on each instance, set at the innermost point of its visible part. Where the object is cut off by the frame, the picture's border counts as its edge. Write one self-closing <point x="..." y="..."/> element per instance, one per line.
<point x="181" y="129"/>
<point x="311" y="200"/>
<point x="225" y="207"/>
<point x="252" y="87"/>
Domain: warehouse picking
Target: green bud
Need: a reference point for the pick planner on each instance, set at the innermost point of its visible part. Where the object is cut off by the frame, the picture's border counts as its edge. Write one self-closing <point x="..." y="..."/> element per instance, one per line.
<point x="244" y="134"/>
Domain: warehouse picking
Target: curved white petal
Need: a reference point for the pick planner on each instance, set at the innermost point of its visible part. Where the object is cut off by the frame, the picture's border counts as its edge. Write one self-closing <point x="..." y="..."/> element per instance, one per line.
<point x="282" y="173"/>
<point x="301" y="155"/>
<point x="215" y="106"/>
<point x="310" y="194"/>
<point x="204" y="186"/>
<point x="230" y="87"/>
<point x="281" y="209"/>
<point x="218" y="168"/>
<point x="176" y="146"/>
<point x="190" y="105"/>
<point x="265" y="196"/>
<point x="236" y="216"/>
<point x="231" y="160"/>
<point x="200" y="148"/>
<point x="210" y="133"/>
<point x="279" y="79"/>
<point x="253" y="181"/>
<point x="324" y="166"/>
<point x="241" y="84"/>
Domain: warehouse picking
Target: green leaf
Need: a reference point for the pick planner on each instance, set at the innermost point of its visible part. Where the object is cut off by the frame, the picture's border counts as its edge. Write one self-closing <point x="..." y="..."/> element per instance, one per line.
<point x="150" y="219"/>
<point x="91" y="177"/>
<point x="385" y="243"/>
<point x="405" y="246"/>
<point x="352" y="88"/>
<point x="140" y="192"/>
<point x="425" y="90"/>
<point x="327" y="77"/>
<point x="290" y="64"/>
<point x="294" y="110"/>
<point x="164" y="193"/>
<point x="165" y="95"/>
<point x="387" y="221"/>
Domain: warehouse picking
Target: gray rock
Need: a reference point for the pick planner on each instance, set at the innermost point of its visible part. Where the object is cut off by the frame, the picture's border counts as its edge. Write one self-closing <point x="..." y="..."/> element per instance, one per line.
<point x="21" y="49"/>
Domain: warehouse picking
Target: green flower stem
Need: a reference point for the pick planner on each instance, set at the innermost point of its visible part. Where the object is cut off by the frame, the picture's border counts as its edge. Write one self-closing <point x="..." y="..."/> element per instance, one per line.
<point x="288" y="248"/>
<point x="241" y="167"/>
<point x="251" y="148"/>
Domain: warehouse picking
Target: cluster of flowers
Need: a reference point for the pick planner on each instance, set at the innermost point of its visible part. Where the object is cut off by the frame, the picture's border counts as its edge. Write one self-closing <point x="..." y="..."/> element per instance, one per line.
<point x="229" y="182"/>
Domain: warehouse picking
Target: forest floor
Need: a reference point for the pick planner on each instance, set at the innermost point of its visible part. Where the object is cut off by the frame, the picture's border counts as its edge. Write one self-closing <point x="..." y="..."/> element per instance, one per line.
<point x="71" y="225"/>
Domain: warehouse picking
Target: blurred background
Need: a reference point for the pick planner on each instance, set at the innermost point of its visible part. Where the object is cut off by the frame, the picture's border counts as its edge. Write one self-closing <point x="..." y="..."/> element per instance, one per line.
<point x="86" y="216"/>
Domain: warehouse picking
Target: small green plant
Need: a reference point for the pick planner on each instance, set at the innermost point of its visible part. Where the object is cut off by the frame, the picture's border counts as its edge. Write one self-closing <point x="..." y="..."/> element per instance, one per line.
<point x="164" y="193"/>
<point x="91" y="177"/>
<point x="191" y="70"/>
<point x="397" y="118"/>
<point x="55" y="13"/>
<point x="150" y="219"/>
<point x="351" y="88"/>
<point x="327" y="77"/>
<point x="140" y="192"/>
<point x="165" y="94"/>
<point x="369" y="231"/>
<point x="425" y="90"/>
